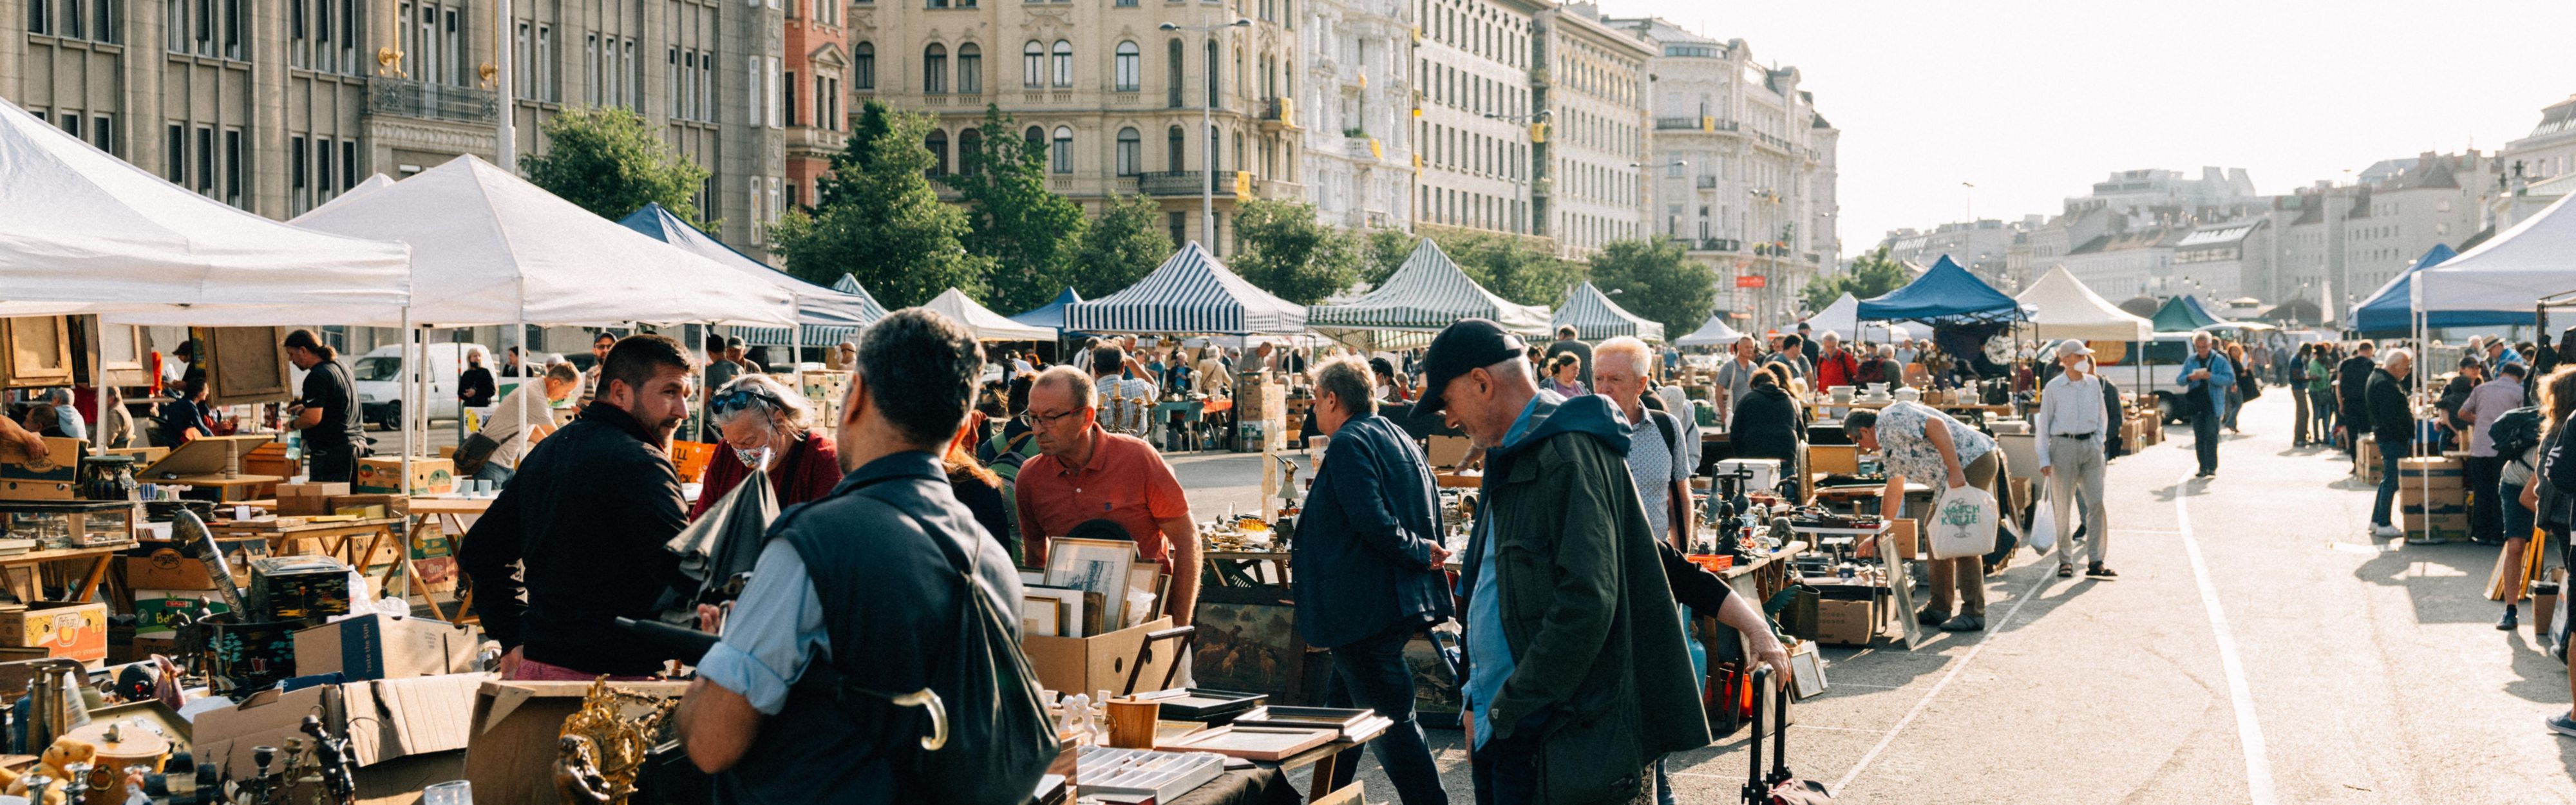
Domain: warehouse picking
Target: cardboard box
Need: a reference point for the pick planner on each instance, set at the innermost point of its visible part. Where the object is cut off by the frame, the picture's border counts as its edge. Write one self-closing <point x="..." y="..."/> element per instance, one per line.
<point x="510" y="755"/>
<point x="1447" y="451"/>
<point x="224" y="737"/>
<point x="2416" y="495"/>
<point x="1100" y="662"/>
<point x="1909" y="538"/>
<point x="164" y="568"/>
<point x="307" y="500"/>
<point x="1845" y="623"/>
<point x="158" y="613"/>
<point x="2437" y="468"/>
<point x="69" y="631"/>
<point x="384" y="646"/>
<point x="371" y="505"/>
<point x="306" y="589"/>
<point x="397" y="718"/>
<point x="1842" y="459"/>
<point x="429" y="476"/>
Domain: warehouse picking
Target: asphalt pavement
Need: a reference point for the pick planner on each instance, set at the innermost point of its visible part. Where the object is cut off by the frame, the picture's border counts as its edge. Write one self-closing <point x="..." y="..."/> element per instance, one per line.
<point x="2259" y="646"/>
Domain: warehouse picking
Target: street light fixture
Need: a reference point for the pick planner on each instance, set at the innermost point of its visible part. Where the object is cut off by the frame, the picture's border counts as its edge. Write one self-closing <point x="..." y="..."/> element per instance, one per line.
<point x="1207" y="126"/>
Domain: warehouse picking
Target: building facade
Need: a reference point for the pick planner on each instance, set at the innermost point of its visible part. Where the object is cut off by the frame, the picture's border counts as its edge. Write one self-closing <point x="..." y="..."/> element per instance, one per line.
<point x="1741" y="168"/>
<point x="278" y="107"/>
<point x="813" y="93"/>
<point x="1119" y="105"/>
<point x="1979" y="246"/>
<point x="1357" y="109"/>
<point x="1590" y="163"/>
<point x="1477" y="118"/>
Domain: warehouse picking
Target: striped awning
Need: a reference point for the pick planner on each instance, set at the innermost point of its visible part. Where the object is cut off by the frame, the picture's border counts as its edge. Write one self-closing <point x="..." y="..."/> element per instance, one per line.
<point x="1190" y="294"/>
<point x="1427" y="293"/>
<point x="1595" y="317"/>
<point x="826" y="325"/>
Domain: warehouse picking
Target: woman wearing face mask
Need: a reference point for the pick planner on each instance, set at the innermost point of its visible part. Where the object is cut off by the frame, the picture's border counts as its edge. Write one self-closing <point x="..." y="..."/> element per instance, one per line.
<point x="763" y="421"/>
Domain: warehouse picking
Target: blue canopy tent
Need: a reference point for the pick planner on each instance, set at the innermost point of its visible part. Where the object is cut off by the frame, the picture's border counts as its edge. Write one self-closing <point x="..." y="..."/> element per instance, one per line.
<point x="1052" y="313"/>
<point x="829" y="315"/>
<point x="2390" y="312"/>
<point x="1945" y="294"/>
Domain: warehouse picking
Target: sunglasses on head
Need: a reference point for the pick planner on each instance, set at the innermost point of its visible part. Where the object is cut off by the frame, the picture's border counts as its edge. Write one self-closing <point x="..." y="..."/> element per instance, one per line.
<point x="742" y="397"/>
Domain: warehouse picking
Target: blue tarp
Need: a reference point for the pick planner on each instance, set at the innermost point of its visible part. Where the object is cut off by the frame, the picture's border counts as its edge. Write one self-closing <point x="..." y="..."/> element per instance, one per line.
<point x="1945" y="294"/>
<point x="1052" y="313"/>
<point x="2391" y="311"/>
<point x="830" y="316"/>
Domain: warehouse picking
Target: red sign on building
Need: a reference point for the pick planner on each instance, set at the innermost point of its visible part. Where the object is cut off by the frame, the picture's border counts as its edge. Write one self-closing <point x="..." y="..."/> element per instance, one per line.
<point x="1752" y="281"/>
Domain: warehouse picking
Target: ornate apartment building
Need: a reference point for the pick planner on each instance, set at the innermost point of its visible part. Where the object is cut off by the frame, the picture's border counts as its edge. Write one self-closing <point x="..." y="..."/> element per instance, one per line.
<point x="276" y="107"/>
<point x="1116" y="99"/>
<point x="814" y="92"/>
<point x="1591" y="164"/>
<point x="1357" y="108"/>
<point x="1478" y="118"/>
<point x="1744" y="168"/>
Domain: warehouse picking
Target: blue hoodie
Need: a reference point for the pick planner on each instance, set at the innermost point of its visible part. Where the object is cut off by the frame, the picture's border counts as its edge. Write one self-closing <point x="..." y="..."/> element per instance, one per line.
<point x="1548" y="415"/>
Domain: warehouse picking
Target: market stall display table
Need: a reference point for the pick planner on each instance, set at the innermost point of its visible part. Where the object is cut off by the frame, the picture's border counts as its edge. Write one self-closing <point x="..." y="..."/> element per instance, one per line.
<point x="444" y="514"/>
<point x="1242" y="568"/>
<point x="99" y="557"/>
<point x="227" y="489"/>
<point x="335" y="536"/>
<point x="1462" y="479"/>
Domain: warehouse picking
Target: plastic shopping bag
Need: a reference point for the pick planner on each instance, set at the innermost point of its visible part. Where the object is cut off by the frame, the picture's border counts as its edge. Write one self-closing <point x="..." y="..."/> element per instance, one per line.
<point x="2043" y="527"/>
<point x="1963" y="523"/>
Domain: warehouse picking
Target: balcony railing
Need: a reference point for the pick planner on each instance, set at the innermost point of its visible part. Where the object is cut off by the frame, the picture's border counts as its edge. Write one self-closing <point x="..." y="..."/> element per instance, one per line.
<point x="421" y="99"/>
<point x="1183" y="183"/>
<point x="1708" y="183"/>
<point x="1694" y="124"/>
<point x="1720" y="245"/>
<point x="1277" y="113"/>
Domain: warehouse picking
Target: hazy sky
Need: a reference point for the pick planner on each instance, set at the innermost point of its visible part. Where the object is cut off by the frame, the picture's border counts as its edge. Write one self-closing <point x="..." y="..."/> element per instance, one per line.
<point x="2035" y="101"/>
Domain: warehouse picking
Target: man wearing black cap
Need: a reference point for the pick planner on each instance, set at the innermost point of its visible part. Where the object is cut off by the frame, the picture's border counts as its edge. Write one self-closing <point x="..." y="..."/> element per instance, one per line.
<point x="1577" y="676"/>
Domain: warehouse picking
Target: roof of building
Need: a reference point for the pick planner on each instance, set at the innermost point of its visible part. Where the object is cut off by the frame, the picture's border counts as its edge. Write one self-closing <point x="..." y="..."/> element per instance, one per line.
<point x="2147" y="238"/>
<point x="1818" y="122"/>
<point x="2220" y="234"/>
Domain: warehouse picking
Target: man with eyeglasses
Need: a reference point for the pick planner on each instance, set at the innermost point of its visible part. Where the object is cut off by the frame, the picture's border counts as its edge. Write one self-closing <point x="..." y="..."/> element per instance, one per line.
<point x="1083" y="473"/>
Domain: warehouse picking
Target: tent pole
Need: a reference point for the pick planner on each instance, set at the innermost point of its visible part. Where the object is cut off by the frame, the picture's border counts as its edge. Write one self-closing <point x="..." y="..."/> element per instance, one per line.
<point x="405" y="409"/>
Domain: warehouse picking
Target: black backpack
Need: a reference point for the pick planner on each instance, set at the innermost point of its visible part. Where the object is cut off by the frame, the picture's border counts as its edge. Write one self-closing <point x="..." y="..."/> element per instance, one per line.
<point x="2515" y="432"/>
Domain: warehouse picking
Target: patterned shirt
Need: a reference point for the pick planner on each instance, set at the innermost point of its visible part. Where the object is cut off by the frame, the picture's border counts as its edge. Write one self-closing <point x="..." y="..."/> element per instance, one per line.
<point x="1902" y="445"/>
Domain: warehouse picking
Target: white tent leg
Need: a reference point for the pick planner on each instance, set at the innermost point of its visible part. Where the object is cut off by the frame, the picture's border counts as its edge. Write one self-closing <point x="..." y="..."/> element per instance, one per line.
<point x="416" y="364"/>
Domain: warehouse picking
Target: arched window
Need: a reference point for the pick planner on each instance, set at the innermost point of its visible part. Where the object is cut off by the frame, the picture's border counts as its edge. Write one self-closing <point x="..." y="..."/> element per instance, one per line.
<point x="1033" y="64"/>
<point x="970" y="68"/>
<point x="1175" y="146"/>
<point x="1063" y="63"/>
<point x="1128" y="68"/>
<point x="970" y="145"/>
<point x="1215" y="151"/>
<point x="863" y="68"/>
<point x="934" y="69"/>
<point x="1063" y="156"/>
<point x="1172" y="81"/>
<point x="937" y="142"/>
<point x="1036" y="138"/>
<point x="1131" y="151"/>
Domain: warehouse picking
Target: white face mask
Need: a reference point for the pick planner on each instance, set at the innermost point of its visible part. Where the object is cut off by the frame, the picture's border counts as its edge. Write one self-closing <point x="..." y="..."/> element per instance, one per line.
<point x="755" y="459"/>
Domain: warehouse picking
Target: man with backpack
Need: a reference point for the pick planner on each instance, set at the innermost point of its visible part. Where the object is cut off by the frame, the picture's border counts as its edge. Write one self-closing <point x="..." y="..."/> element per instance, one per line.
<point x="2483" y="471"/>
<point x="814" y="693"/>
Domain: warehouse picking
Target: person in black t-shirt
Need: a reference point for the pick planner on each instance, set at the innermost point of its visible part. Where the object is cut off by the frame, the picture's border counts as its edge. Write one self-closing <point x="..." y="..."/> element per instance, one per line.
<point x="327" y="413"/>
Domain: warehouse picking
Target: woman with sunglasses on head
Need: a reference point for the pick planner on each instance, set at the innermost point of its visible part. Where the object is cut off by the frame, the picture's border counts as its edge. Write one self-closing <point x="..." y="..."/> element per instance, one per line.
<point x="763" y="421"/>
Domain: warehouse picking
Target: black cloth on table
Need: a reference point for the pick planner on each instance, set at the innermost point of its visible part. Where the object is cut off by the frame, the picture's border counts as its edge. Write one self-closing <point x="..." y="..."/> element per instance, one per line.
<point x="1254" y="786"/>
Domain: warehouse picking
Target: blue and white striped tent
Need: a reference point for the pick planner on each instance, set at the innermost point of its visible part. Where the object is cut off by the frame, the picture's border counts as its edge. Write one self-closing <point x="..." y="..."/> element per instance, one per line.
<point x="1595" y="317"/>
<point x="1425" y="294"/>
<point x="1190" y="294"/>
<point x="829" y="315"/>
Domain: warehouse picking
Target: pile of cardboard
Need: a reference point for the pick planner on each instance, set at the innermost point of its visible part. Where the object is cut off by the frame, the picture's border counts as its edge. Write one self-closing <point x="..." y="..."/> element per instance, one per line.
<point x="2433" y="499"/>
<point x="2365" y="461"/>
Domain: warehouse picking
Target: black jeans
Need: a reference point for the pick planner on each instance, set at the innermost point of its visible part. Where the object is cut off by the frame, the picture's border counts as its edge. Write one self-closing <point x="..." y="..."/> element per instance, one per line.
<point x="1372" y="673"/>
<point x="2486" y="516"/>
<point x="1506" y="769"/>
<point x="328" y="465"/>
<point x="2204" y="439"/>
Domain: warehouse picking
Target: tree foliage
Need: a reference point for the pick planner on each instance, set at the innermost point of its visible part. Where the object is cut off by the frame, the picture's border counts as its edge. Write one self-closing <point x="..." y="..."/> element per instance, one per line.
<point x="1120" y="247"/>
<point x="1659" y="281"/>
<point x="856" y="155"/>
<point x="1382" y="251"/>
<point x="609" y="161"/>
<point x="1513" y="268"/>
<point x="883" y="224"/>
<point x="1028" y="232"/>
<point x="1868" y="275"/>
<point x="1287" y="252"/>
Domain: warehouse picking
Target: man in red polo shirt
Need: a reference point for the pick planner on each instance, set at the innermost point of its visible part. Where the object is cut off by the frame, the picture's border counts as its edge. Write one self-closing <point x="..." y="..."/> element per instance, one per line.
<point x="1084" y="473"/>
<point x="1834" y="366"/>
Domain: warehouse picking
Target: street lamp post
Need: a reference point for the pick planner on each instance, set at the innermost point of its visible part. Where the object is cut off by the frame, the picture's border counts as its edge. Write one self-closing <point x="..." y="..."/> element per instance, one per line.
<point x="1207" y="125"/>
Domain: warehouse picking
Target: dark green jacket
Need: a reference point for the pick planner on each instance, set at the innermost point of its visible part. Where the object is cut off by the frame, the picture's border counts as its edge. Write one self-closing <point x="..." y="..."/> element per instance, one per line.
<point x="1598" y="648"/>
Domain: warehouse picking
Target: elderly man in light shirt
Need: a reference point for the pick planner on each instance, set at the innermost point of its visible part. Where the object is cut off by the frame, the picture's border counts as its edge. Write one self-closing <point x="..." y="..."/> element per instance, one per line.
<point x="1735" y="377"/>
<point x="2075" y="424"/>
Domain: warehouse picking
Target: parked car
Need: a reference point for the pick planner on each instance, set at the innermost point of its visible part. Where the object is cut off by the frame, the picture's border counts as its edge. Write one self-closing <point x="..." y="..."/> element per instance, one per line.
<point x="381" y="379"/>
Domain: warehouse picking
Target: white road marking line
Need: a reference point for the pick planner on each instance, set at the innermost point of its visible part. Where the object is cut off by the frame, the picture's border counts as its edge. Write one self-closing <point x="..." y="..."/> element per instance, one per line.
<point x="1993" y="630"/>
<point x="2258" y="763"/>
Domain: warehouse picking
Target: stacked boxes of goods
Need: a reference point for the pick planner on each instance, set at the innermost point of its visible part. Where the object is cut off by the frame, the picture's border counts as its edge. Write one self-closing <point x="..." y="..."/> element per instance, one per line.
<point x="2432" y="500"/>
<point x="2365" y="461"/>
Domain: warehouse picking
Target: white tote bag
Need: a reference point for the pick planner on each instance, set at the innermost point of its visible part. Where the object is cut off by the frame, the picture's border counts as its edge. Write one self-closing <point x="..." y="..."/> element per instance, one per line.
<point x="1963" y="523"/>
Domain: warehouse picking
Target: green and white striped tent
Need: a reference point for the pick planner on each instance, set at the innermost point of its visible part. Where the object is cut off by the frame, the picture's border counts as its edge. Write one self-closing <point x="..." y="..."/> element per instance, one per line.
<point x="1425" y="294"/>
<point x="1595" y="317"/>
<point x="1190" y="294"/>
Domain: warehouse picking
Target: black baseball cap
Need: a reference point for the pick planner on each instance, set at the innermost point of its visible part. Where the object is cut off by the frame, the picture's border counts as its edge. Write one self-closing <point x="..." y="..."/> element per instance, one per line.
<point x="1462" y="347"/>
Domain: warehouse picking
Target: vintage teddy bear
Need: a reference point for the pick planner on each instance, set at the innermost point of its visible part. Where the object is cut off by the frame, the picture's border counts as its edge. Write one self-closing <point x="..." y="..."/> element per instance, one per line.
<point x="62" y="754"/>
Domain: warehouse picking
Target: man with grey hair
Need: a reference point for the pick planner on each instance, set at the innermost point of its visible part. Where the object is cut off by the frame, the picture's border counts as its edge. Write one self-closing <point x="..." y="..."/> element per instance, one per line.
<point x="1369" y="562"/>
<point x="1083" y="473"/>
<point x="1656" y="457"/>
<point x="2392" y="425"/>
<point x="2206" y="376"/>
<point x="67" y="416"/>
<point x="858" y="592"/>
<point x="1735" y="377"/>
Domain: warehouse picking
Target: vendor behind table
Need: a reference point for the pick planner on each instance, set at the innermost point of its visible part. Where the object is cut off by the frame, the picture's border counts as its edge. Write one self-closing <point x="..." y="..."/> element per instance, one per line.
<point x="328" y="411"/>
<point x="1084" y="473"/>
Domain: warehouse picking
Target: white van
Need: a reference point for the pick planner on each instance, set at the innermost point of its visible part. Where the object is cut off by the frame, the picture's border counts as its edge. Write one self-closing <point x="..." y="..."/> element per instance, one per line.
<point x="381" y="380"/>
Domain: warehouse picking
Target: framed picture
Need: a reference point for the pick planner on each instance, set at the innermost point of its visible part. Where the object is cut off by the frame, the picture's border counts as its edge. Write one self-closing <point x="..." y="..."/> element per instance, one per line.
<point x="1065" y="602"/>
<point x="1094" y="566"/>
<point x="1900" y="588"/>
<point x="1254" y="743"/>
<point x="1041" y="615"/>
<point x="1806" y="671"/>
<point x="245" y="365"/>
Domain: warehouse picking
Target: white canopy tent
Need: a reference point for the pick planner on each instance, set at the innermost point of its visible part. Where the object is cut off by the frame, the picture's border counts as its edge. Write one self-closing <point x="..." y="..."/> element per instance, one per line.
<point x="2509" y="272"/>
<point x="1843" y="318"/>
<point x="372" y="184"/>
<point x="1712" y="334"/>
<point x="988" y="325"/>
<point x="84" y="232"/>
<point x="2068" y="309"/>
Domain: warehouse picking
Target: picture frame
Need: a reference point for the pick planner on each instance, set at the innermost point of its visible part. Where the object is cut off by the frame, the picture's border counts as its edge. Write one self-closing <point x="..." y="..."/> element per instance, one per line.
<point x="1093" y="566"/>
<point x="1041" y="615"/>
<point x="245" y="365"/>
<point x="1900" y="589"/>
<point x="1806" y="671"/>
<point x="1068" y="606"/>
<point x="1254" y="743"/>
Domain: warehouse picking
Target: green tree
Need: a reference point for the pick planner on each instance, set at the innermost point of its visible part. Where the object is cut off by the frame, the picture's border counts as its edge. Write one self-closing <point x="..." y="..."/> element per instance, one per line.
<point x="1029" y="233"/>
<point x="856" y="152"/>
<point x="1513" y="268"/>
<point x="1659" y="281"/>
<point x="609" y="161"/>
<point x="1119" y="248"/>
<point x="1382" y="252"/>
<point x="1868" y="275"/>
<point x="885" y="226"/>
<point x="1289" y="253"/>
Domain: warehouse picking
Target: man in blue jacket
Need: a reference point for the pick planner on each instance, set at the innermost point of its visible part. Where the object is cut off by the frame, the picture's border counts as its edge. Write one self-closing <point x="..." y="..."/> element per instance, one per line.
<point x="1368" y="559"/>
<point x="2206" y="377"/>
